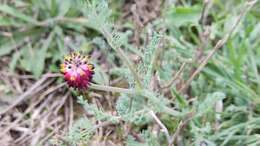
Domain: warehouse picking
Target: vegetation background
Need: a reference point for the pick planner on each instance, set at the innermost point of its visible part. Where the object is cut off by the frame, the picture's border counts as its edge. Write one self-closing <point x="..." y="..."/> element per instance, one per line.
<point x="167" y="72"/>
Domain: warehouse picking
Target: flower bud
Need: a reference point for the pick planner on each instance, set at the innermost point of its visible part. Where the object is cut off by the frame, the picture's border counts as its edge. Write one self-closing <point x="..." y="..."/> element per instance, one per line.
<point x="77" y="70"/>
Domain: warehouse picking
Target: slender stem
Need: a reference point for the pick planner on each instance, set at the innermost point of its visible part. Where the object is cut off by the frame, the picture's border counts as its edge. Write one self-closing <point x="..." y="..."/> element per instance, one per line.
<point x="112" y="89"/>
<point x="123" y="56"/>
<point x="204" y="13"/>
<point x="143" y="93"/>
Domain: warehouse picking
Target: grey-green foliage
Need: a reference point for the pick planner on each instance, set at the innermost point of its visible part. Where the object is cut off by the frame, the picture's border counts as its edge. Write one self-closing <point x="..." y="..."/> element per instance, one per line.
<point x="98" y="14"/>
<point x="80" y="132"/>
<point x="120" y="39"/>
<point x="208" y="103"/>
<point x="124" y="72"/>
<point x="146" y="67"/>
<point x="135" y="112"/>
<point x="206" y="107"/>
<point x="132" y="142"/>
<point x="157" y="102"/>
<point x="99" y="114"/>
<point x="201" y="133"/>
<point x="149" y="140"/>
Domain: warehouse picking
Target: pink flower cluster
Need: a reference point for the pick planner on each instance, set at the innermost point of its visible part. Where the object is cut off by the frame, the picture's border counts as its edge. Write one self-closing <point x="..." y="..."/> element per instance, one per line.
<point x="77" y="70"/>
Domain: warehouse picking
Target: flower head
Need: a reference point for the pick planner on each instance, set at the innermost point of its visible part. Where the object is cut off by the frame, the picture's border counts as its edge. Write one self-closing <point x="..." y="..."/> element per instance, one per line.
<point x="77" y="70"/>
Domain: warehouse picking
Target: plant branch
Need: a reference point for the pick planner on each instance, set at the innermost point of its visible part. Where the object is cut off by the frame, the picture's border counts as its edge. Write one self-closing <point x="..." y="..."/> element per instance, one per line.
<point x="123" y="56"/>
<point x="144" y="93"/>
<point x="112" y="89"/>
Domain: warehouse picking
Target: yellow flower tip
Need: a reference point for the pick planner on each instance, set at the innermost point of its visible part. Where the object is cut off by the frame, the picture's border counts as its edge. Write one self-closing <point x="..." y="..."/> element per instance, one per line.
<point x="62" y="68"/>
<point x="67" y="57"/>
<point x="72" y="78"/>
<point x="85" y="58"/>
<point x="78" y="53"/>
<point x="82" y="73"/>
<point x="91" y="67"/>
<point x="62" y="65"/>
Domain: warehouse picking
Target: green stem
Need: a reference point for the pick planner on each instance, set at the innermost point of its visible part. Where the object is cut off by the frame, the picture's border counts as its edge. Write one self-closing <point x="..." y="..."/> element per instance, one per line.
<point x="144" y="93"/>
<point x="122" y="56"/>
<point x="112" y="89"/>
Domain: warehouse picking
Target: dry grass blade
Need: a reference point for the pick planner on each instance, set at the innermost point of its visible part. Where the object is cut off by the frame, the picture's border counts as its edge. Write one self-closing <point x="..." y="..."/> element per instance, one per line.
<point x="32" y="90"/>
<point x="31" y="108"/>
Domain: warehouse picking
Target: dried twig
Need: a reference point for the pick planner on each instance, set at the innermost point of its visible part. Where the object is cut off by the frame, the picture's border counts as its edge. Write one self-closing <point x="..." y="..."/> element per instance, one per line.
<point x="50" y="134"/>
<point x="29" y="92"/>
<point x="30" y="108"/>
<point x="169" y="84"/>
<point x="164" y="129"/>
